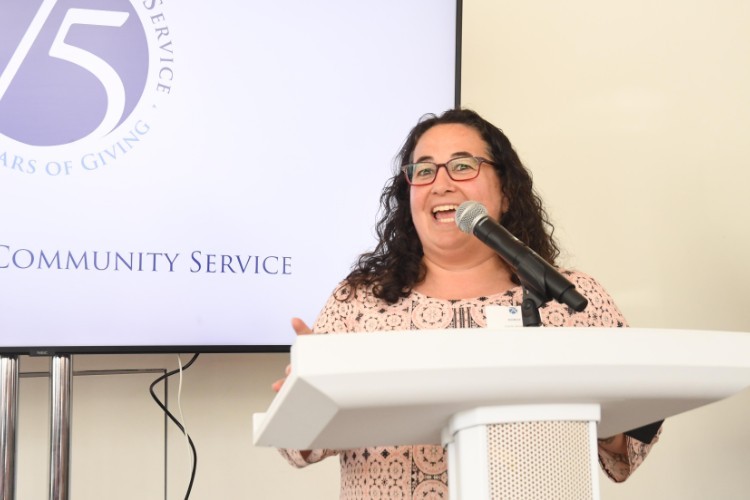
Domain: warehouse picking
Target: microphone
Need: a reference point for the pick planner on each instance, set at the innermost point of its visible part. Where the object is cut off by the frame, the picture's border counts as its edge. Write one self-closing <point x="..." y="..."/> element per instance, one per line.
<point x="533" y="271"/>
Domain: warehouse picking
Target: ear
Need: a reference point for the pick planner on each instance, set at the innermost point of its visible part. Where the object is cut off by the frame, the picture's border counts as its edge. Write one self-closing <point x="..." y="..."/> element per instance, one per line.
<point x="504" y="205"/>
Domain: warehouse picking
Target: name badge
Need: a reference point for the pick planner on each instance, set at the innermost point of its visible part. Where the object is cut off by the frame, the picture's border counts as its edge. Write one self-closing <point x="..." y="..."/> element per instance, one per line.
<point x="503" y="317"/>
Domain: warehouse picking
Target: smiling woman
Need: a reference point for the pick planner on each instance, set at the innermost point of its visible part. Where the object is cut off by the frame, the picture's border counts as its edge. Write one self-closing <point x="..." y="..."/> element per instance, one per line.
<point x="410" y="241"/>
<point x="425" y="273"/>
<point x="443" y="245"/>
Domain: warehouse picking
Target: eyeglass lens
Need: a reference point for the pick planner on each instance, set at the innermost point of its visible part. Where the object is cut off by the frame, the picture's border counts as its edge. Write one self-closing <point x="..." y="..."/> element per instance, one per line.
<point x="459" y="169"/>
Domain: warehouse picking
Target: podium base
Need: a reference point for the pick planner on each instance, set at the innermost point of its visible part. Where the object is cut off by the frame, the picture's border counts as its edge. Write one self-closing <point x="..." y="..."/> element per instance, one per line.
<point x="523" y="452"/>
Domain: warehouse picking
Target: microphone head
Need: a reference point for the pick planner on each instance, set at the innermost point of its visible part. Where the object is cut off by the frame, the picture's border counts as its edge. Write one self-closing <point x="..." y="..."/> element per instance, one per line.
<point x="469" y="214"/>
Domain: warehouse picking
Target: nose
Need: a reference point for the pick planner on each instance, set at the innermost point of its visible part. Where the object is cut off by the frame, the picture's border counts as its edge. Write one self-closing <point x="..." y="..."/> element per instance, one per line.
<point x="443" y="182"/>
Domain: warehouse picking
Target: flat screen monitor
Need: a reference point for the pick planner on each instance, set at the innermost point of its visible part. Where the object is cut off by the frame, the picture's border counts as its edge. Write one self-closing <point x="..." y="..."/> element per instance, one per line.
<point x="187" y="177"/>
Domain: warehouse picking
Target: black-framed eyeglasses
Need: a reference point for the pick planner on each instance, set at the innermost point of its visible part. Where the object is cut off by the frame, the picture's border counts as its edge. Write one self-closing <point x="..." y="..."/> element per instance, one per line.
<point x="463" y="168"/>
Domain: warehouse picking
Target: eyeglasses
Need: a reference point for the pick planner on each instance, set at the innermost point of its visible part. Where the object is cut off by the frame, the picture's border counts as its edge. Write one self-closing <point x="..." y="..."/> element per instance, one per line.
<point x="423" y="173"/>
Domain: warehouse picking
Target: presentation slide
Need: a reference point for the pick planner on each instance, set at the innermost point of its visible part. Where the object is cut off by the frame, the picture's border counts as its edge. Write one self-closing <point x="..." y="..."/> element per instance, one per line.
<point x="189" y="176"/>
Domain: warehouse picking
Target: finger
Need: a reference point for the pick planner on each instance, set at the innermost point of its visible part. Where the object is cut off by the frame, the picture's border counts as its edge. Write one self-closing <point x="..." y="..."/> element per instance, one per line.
<point x="300" y="327"/>
<point x="276" y="386"/>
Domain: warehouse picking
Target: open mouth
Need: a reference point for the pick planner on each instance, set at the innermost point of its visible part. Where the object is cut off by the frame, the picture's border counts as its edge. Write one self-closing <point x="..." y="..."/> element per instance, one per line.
<point x="445" y="213"/>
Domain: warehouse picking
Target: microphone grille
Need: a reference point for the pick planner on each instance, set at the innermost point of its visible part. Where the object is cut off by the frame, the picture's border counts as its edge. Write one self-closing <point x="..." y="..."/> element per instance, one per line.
<point x="469" y="214"/>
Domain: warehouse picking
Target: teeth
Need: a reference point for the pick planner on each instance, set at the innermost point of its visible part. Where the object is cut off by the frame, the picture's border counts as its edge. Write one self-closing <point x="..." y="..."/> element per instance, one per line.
<point x="444" y="208"/>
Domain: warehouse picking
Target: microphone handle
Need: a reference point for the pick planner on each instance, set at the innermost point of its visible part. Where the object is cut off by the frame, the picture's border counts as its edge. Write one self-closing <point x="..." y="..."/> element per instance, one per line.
<point x="532" y="270"/>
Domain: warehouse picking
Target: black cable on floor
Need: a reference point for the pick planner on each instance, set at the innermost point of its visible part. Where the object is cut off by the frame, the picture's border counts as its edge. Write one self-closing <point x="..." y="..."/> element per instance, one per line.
<point x="177" y="422"/>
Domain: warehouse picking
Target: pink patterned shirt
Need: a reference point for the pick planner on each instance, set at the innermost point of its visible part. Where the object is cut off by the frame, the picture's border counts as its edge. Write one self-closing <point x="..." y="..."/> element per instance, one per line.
<point x="420" y="471"/>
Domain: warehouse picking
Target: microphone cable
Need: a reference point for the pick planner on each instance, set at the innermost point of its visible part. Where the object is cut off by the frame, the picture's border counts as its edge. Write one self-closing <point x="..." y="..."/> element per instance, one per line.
<point x="176" y="421"/>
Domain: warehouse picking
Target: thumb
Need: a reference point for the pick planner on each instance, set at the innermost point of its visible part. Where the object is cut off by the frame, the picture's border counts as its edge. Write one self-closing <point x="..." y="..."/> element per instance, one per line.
<point x="300" y="327"/>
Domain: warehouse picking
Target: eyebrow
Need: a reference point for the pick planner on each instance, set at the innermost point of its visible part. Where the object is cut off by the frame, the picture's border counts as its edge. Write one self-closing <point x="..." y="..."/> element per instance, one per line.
<point x="458" y="154"/>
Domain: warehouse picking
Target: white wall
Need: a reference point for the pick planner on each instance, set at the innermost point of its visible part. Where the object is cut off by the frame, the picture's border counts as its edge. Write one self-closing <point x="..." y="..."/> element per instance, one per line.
<point x="631" y="116"/>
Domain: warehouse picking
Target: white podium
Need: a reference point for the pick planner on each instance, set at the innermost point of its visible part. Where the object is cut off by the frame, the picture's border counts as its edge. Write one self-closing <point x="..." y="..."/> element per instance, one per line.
<point x="500" y="400"/>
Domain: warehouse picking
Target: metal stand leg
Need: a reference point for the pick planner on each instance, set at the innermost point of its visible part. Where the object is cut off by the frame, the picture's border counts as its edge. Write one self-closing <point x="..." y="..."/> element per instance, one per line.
<point x="60" y="393"/>
<point x="8" y="429"/>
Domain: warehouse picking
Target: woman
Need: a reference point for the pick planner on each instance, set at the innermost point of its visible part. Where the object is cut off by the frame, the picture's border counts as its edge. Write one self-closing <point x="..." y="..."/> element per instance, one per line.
<point x="426" y="273"/>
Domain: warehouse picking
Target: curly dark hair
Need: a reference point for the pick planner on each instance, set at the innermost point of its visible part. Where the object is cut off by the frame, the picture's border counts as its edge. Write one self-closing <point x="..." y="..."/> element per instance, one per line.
<point x="395" y="265"/>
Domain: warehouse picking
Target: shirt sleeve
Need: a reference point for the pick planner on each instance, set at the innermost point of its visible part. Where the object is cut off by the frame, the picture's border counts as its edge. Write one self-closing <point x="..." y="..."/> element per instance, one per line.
<point x="603" y="312"/>
<point x="619" y="467"/>
<point x="295" y="458"/>
<point x="338" y="314"/>
<point x="334" y="318"/>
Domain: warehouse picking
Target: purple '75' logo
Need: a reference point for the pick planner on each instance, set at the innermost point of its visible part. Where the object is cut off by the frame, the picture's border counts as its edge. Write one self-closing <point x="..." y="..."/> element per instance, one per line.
<point x="69" y="69"/>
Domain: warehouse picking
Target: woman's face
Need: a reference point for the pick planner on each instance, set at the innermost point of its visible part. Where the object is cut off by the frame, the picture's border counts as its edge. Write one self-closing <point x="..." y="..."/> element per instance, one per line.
<point x="433" y="206"/>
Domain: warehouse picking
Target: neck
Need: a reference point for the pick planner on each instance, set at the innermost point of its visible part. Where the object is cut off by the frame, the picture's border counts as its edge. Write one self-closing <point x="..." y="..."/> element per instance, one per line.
<point x="486" y="276"/>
